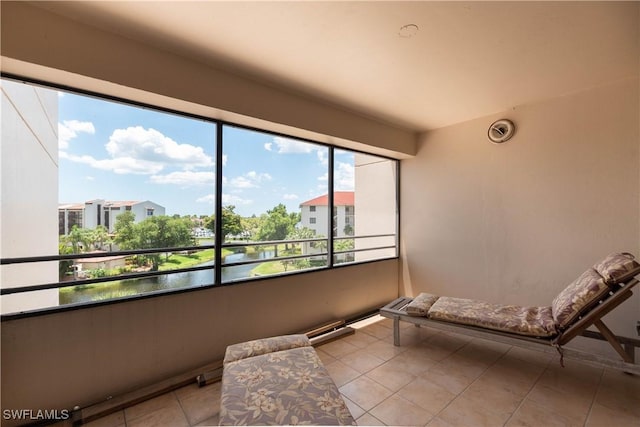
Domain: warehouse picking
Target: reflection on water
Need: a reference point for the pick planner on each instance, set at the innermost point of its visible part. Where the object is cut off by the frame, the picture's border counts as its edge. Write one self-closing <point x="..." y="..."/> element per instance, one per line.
<point x="123" y="288"/>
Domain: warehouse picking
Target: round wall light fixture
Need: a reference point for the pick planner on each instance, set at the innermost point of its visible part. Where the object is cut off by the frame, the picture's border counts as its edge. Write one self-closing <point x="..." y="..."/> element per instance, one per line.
<point x="501" y="131"/>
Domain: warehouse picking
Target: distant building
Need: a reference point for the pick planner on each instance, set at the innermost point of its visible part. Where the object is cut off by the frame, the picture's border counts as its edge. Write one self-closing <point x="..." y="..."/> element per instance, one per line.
<point x="314" y="214"/>
<point x="106" y="263"/>
<point x="103" y="212"/>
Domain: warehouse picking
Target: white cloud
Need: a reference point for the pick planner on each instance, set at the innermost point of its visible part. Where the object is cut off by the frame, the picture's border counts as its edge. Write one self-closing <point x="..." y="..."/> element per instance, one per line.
<point x="251" y="179"/>
<point x="258" y="177"/>
<point x="123" y="165"/>
<point x="322" y="157"/>
<point x="89" y="178"/>
<point x="185" y="178"/>
<point x="136" y="150"/>
<point x="286" y="145"/>
<point x="230" y="199"/>
<point x="241" y="182"/>
<point x="150" y="145"/>
<point x="69" y="130"/>
<point x="227" y="199"/>
<point x="268" y="145"/>
<point x="290" y="196"/>
<point x="208" y="199"/>
<point x="344" y="177"/>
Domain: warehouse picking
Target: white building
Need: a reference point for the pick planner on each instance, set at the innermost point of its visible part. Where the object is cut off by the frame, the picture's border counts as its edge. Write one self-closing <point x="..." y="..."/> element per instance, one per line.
<point x="103" y="212"/>
<point x="29" y="135"/>
<point x="377" y="206"/>
<point x="314" y="214"/>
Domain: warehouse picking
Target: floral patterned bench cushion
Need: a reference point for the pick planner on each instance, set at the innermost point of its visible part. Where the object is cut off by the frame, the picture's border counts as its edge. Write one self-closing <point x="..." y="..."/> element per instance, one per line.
<point x="421" y="304"/>
<point x="281" y="388"/>
<point x="264" y="345"/>
<point x="531" y="321"/>
<point x="592" y="285"/>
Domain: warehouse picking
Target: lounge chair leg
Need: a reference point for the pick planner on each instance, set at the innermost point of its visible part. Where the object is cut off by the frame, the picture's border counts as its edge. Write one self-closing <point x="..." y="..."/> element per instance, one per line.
<point x="631" y="352"/>
<point x="396" y="331"/>
<point x="611" y="338"/>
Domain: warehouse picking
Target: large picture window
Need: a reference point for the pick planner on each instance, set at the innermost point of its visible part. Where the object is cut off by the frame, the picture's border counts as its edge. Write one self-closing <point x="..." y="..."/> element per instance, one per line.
<point x="139" y="192"/>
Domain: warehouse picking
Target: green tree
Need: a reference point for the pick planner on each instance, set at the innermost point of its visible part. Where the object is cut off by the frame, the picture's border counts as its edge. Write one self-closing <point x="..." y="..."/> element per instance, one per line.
<point x="155" y="232"/>
<point x="302" y="233"/>
<point x="64" y="249"/>
<point x="277" y="224"/>
<point x="231" y="222"/>
<point x="146" y="236"/>
<point x="251" y="225"/>
<point x="99" y="237"/>
<point x="124" y="230"/>
<point x="210" y="223"/>
<point x="79" y="238"/>
<point x="345" y="245"/>
<point x="171" y="232"/>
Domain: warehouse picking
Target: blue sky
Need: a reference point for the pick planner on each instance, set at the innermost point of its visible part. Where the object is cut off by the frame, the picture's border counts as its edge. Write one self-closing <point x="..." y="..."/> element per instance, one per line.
<point x="114" y="151"/>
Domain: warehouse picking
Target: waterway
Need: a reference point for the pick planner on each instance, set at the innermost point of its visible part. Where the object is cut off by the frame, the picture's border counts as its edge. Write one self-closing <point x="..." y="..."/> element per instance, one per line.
<point x="123" y="288"/>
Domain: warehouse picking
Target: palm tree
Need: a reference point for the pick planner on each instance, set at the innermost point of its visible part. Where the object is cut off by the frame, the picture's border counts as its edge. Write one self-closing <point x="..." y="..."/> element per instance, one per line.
<point x="79" y="239"/>
<point x="100" y="237"/>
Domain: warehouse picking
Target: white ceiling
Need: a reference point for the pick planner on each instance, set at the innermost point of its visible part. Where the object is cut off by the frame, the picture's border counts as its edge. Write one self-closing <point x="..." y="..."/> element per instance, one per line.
<point x="467" y="60"/>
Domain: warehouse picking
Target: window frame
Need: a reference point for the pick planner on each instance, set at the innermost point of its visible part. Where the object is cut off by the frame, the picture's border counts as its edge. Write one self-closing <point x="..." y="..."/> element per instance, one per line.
<point x="218" y="243"/>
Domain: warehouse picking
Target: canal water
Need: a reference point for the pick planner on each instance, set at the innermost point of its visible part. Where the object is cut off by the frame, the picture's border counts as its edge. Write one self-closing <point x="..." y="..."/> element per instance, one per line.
<point x="123" y="288"/>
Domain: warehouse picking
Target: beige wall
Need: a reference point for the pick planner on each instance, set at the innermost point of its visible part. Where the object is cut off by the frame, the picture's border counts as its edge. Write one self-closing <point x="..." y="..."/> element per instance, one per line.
<point x="515" y="223"/>
<point x="81" y="357"/>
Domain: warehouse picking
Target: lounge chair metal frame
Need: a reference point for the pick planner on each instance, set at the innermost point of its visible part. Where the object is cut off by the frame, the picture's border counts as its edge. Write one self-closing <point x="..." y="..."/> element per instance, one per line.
<point x="624" y="346"/>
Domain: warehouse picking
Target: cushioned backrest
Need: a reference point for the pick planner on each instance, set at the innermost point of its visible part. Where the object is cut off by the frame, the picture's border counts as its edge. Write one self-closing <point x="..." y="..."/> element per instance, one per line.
<point x="616" y="267"/>
<point x="590" y="287"/>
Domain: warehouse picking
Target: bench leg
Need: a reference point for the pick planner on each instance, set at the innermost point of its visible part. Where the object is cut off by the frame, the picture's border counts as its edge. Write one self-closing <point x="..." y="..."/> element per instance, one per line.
<point x="396" y="331"/>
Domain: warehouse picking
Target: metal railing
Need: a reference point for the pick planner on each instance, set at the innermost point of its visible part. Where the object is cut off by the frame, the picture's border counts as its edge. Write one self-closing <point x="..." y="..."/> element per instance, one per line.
<point x="182" y="249"/>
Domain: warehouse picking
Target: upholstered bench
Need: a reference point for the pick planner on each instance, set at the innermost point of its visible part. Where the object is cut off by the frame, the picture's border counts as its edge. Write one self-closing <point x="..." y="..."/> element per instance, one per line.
<point x="279" y="381"/>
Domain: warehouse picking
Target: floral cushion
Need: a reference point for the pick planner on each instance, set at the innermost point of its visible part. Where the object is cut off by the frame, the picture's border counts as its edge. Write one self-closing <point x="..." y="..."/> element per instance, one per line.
<point x="281" y="388"/>
<point x="264" y="346"/>
<point x="615" y="267"/>
<point x="421" y="304"/>
<point x="593" y="285"/>
<point x="531" y="321"/>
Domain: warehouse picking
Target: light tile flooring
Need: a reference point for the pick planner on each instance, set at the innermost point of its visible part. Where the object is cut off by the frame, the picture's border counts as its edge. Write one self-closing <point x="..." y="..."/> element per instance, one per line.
<point x="434" y="379"/>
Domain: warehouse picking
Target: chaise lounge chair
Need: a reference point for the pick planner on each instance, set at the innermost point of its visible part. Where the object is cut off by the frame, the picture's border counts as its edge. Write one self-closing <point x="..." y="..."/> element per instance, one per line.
<point x="582" y="304"/>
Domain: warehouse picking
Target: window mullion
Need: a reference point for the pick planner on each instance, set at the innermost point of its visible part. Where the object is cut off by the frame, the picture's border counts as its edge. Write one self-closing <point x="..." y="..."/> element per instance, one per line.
<point x="217" y="279"/>
<point x="330" y="209"/>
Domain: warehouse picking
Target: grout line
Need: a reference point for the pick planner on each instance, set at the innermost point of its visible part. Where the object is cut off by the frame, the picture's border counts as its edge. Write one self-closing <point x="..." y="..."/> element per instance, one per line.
<point x="546" y="366"/>
<point x="595" y="395"/>
<point x="186" y="417"/>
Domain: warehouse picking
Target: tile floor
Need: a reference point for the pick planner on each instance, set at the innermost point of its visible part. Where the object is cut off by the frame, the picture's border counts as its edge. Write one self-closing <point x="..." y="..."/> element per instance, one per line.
<point x="434" y="379"/>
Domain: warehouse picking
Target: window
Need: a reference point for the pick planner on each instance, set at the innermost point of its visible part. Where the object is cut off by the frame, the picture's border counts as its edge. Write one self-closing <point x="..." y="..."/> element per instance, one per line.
<point x="266" y="180"/>
<point x="139" y="192"/>
<point x="365" y="207"/>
